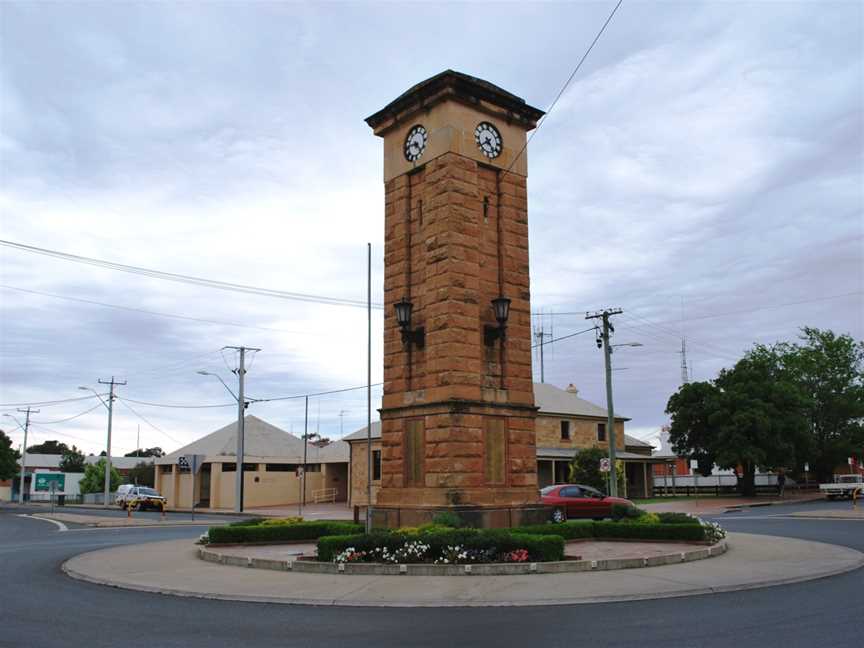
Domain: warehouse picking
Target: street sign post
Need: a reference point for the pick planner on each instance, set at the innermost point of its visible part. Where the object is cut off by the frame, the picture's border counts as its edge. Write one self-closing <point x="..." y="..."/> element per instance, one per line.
<point x="192" y="463"/>
<point x="604" y="464"/>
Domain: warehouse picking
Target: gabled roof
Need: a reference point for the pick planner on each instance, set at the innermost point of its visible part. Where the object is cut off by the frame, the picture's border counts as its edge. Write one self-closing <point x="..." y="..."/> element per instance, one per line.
<point x="261" y="441"/>
<point x="554" y="400"/>
<point x="633" y="441"/>
<point x="550" y="399"/>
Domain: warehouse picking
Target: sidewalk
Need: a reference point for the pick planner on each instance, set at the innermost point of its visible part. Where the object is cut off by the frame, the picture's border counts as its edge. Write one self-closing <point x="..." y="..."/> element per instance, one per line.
<point x="174" y="568"/>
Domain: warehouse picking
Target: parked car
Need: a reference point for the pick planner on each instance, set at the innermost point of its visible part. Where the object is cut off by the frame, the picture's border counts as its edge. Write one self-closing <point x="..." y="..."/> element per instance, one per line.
<point x="579" y="501"/>
<point x="142" y="496"/>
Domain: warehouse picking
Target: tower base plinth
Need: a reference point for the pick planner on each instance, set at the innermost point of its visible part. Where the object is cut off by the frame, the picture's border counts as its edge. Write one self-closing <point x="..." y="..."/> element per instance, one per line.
<point x="481" y="517"/>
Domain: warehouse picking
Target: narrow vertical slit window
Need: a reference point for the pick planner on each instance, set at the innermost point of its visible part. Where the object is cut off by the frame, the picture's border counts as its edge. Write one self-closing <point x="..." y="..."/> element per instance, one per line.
<point x="495" y="449"/>
<point x="414" y="451"/>
<point x="601" y="431"/>
<point x="565" y="430"/>
<point x="376" y="465"/>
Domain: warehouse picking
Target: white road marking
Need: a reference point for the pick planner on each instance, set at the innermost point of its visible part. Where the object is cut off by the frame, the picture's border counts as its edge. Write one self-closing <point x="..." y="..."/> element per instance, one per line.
<point x="60" y="525"/>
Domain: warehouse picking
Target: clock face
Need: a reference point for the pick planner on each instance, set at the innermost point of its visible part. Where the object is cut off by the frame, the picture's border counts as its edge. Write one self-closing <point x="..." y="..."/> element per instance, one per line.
<point x="415" y="143"/>
<point x="488" y="139"/>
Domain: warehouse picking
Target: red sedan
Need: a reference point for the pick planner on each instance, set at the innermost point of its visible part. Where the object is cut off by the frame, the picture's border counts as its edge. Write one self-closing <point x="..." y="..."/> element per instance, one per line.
<point x="578" y="501"/>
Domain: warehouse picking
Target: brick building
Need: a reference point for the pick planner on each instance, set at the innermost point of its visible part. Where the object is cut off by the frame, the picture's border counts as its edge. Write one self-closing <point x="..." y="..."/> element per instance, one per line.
<point x="565" y="424"/>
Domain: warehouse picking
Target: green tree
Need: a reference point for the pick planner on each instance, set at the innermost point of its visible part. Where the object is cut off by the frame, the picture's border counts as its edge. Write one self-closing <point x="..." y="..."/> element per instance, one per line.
<point x="750" y="416"/>
<point x="828" y="368"/>
<point x="48" y="447"/>
<point x="143" y="474"/>
<point x="94" y="478"/>
<point x="72" y="461"/>
<point x="9" y="457"/>
<point x="146" y="452"/>
<point x="585" y="469"/>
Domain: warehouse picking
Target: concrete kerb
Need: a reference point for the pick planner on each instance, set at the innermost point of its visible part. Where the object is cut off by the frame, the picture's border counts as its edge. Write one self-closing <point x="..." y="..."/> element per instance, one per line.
<point x="494" y="569"/>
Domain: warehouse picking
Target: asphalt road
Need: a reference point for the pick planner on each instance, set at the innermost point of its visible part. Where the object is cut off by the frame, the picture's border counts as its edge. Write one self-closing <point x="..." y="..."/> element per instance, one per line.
<point x="41" y="607"/>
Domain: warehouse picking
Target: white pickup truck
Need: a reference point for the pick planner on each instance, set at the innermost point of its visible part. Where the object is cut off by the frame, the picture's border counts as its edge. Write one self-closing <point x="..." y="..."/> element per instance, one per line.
<point x="843" y="486"/>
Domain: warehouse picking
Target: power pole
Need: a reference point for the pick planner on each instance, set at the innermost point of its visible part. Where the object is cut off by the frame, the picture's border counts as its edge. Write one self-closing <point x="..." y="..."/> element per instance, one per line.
<point x="241" y="425"/>
<point x="24" y="452"/>
<point x="610" y="421"/>
<point x="341" y="423"/>
<point x="305" y="441"/>
<point x="541" y="335"/>
<point x="112" y="383"/>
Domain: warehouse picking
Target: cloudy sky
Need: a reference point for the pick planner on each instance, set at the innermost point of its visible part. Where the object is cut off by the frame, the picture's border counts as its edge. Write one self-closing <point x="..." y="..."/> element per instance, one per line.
<point x="703" y="172"/>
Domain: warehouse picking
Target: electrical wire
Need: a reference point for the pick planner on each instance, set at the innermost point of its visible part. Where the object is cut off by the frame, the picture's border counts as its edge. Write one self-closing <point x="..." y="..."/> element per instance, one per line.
<point x="563" y="337"/>
<point x="50" y="403"/>
<point x="188" y="279"/>
<point x="174" y="406"/>
<point x="71" y="418"/>
<point x="155" y="427"/>
<point x="563" y="88"/>
<point x="187" y="318"/>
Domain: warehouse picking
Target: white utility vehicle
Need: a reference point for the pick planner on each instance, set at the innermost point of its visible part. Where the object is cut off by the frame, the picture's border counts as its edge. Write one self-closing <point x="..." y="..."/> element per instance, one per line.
<point x="843" y="486"/>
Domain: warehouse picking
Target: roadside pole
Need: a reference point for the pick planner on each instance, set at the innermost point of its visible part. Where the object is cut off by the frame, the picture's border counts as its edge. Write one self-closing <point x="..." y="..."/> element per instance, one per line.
<point x="369" y="388"/>
<point x="610" y="410"/>
<point x="112" y="383"/>
<point x="24" y="453"/>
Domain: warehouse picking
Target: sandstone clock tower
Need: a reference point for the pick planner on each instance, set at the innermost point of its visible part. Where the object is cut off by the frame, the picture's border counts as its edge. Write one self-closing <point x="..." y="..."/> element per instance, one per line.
<point x="458" y="408"/>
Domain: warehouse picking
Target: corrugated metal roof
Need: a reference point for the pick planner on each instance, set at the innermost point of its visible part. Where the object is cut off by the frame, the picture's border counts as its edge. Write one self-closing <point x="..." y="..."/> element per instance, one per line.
<point x="53" y="461"/>
<point x="262" y="442"/>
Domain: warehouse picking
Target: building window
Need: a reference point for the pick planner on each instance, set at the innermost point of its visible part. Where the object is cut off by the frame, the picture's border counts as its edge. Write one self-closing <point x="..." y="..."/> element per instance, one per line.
<point x="414" y="451"/>
<point x="313" y="468"/>
<point x="376" y="465"/>
<point x="165" y="469"/>
<point x="250" y="467"/>
<point x="280" y="467"/>
<point x="565" y="430"/>
<point x="495" y="449"/>
<point x="601" y="431"/>
<point x="229" y="467"/>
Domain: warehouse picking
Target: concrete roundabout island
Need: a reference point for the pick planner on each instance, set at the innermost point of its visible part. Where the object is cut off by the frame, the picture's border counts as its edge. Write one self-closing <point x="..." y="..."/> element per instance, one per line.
<point x="743" y="561"/>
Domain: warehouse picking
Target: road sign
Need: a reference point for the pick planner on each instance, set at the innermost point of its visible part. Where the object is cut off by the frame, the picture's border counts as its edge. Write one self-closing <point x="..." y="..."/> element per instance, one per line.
<point x="604" y="464"/>
<point x="191" y="462"/>
<point x="44" y="481"/>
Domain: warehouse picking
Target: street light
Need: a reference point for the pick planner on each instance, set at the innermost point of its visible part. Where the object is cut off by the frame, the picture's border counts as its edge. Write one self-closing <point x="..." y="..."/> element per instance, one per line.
<point x="219" y="378"/>
<point x="628" y="344"/>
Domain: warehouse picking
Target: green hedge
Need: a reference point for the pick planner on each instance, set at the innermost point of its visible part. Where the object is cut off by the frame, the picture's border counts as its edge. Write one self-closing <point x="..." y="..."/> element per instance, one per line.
<point x="574" y="530"/>
<point x="649" y="531"/>
<point x="541" y="548"/>
<point x="677" y="518"/>
<point x="311" y="530"/>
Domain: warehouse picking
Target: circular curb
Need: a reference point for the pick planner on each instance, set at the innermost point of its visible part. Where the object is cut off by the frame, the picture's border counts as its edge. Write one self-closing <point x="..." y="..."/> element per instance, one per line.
<point x="74" y="573"/>
<point x="494" y="569"/>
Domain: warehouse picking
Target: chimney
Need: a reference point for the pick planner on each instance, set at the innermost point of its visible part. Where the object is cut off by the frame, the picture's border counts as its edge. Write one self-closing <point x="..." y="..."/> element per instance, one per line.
<point x="571" y="389"/>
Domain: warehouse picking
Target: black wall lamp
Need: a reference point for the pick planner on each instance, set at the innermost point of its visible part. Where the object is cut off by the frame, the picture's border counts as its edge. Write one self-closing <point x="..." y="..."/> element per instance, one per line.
<point x="501" y="306"/>
<point x="403" y="318"/>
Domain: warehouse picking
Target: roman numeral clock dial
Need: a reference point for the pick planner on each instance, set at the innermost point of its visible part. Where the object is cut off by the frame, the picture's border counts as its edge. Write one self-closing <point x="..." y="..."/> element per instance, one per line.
<point x="488" y="139"/>
<point x="415" y="143"/>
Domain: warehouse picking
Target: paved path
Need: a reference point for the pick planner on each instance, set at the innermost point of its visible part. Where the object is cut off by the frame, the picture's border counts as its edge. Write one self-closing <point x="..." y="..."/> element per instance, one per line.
<point x="752" y="561"/>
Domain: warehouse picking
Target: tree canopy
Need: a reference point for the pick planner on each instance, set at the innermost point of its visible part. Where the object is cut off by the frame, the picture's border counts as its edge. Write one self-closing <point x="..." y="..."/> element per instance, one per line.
<point x="143" y="474"/>
<point x="146" y="452"/>
<point x="778" y="407"/>
<point x="72" y="461"/>
<point x="49" y="447"/>
<point x="94" y="478"/>
<point x="9" y="457"/>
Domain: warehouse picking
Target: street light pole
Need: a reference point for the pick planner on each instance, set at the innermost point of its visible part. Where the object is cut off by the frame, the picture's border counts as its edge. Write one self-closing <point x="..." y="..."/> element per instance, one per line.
<point x="111" y="383"/>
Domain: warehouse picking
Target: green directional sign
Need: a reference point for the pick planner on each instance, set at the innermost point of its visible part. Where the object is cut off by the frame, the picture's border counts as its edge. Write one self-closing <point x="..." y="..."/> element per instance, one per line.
<point x="43" y="481"/>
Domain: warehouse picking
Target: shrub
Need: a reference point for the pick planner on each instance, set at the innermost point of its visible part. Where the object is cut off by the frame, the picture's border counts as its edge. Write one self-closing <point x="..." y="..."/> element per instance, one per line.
<point x="477" y="545"/>
<point x="278" y="521"/>
<point x="249" y="522"/>
<point x="570" y="530"/>
<point x="447" y="519"/>
<point x="677" y="518"/>
<point x="622" y="511"/>
<point x="646" y="518"/>
<point x="260" y="532"/>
